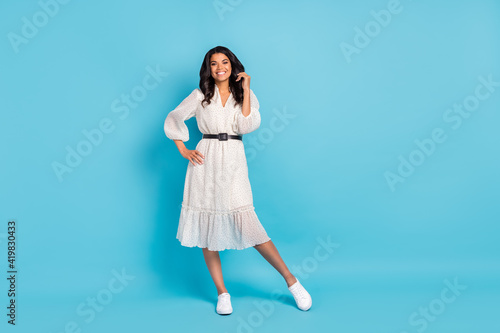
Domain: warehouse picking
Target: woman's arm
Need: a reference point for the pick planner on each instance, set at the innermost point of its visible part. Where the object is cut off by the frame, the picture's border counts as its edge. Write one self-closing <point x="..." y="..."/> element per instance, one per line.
<point x="175" y="126"/>
<point x="248" y="119"/>
<point x="176" y="129"/>
<point x="245" y="108"/>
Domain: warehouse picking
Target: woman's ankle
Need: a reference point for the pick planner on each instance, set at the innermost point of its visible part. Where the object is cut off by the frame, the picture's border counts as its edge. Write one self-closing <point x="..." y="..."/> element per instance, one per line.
<point x="221" y="291"/>
<point x="290" y="280"/>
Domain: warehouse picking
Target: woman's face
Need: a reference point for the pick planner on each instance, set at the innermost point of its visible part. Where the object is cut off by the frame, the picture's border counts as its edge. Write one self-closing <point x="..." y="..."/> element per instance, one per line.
<point x="220" y="67"/>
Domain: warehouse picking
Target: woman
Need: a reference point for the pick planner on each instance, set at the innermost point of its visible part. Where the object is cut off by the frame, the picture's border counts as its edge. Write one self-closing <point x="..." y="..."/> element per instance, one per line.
<point x="217" y="210"/>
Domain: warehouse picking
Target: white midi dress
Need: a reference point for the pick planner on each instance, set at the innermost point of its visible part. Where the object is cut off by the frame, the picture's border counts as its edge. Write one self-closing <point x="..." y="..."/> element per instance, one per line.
<point x="217" y="210"/>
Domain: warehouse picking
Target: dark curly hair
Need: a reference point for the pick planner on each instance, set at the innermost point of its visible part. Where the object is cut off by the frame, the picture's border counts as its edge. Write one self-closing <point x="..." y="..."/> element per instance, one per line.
<point x="207" y="82"/>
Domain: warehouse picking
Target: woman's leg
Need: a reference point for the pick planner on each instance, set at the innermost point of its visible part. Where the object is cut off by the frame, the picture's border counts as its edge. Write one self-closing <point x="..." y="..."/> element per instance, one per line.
<point x="212" y="260"/>
<point x="270" y="253"/>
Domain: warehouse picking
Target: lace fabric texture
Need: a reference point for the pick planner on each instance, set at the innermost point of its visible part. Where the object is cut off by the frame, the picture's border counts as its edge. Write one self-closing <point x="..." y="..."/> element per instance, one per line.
<point x="217" y="208"/>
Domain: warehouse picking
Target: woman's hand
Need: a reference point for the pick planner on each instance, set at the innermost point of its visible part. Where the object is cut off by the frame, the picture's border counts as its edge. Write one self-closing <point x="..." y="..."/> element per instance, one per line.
<point x="192" y="155"/>
<point x="246" y="80"/>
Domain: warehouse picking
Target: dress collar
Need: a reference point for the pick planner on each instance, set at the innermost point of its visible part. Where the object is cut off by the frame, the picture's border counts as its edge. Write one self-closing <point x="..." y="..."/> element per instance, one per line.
<point x="218" y="97"/>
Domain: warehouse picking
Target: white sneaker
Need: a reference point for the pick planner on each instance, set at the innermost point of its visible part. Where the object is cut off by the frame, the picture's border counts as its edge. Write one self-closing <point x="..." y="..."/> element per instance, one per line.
<point x="224" y="304"/>
<point x="301" y="296"/>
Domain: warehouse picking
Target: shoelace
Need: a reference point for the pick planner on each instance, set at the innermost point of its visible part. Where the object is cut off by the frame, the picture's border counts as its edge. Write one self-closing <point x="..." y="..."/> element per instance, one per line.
<point x="301" y="293"/>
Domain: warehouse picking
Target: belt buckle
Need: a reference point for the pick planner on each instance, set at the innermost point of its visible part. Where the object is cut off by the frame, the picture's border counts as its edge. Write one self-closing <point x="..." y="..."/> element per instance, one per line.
<point x="222" y="136"/>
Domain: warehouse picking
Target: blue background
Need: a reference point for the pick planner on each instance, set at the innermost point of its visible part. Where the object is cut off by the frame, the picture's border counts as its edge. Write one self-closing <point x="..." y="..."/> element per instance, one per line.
<point x="319" y="176"/>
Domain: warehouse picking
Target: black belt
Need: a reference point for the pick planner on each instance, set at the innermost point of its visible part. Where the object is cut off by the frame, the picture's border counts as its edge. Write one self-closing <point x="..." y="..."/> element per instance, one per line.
<point x="222" y="136"/>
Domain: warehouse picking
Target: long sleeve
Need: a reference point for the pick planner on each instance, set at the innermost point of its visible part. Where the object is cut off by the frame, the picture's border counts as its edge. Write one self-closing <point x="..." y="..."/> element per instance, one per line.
<point x="175" y="126"/>
<point x="250" y="123"/>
